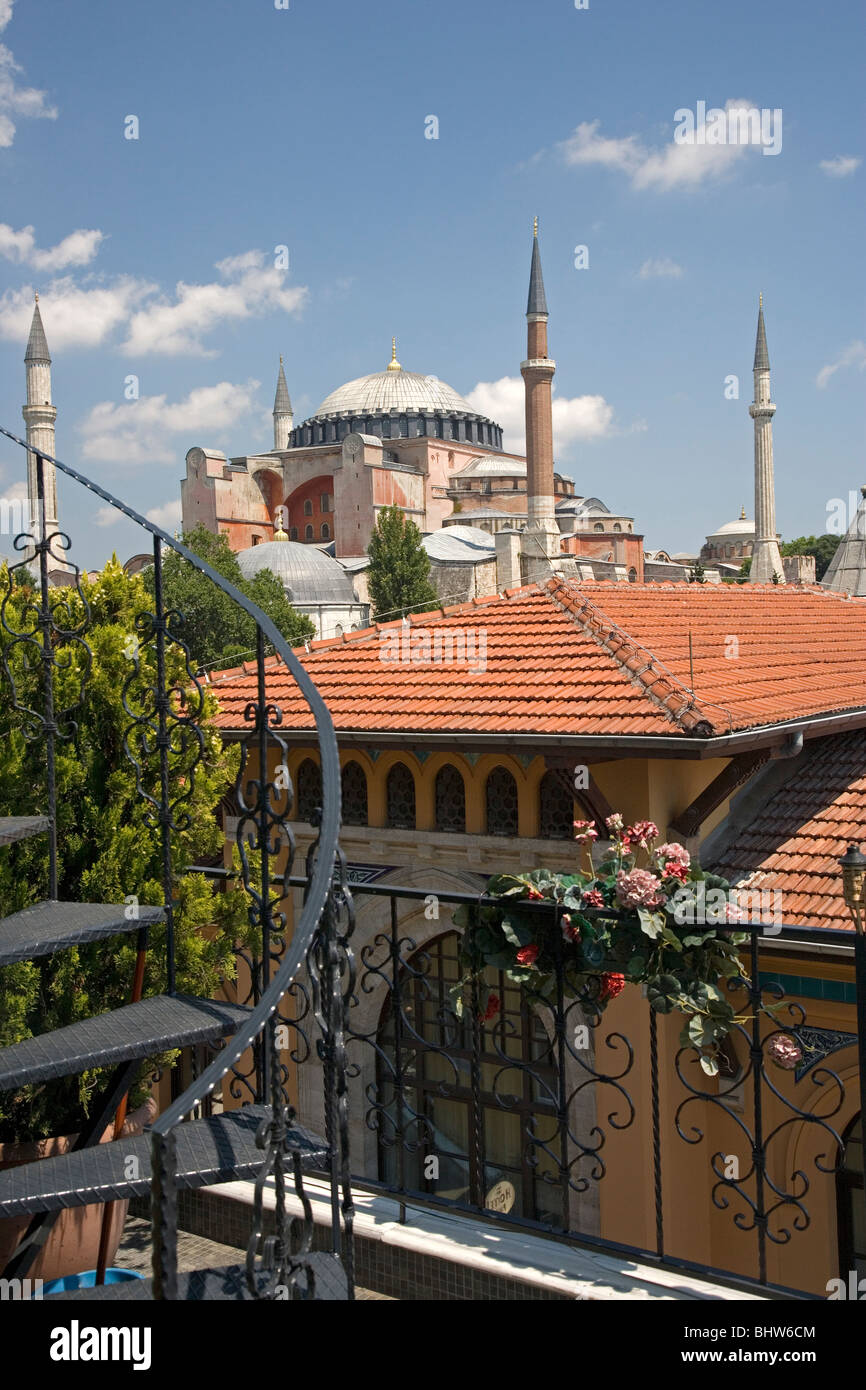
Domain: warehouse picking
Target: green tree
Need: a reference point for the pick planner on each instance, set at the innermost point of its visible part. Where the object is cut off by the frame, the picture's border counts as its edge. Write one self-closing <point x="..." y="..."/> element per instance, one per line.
<point x="107" y="849"/>
<point x="214" y="628"/>
<point x="399" y="575"/>
<point x="697" y="574"/>
<point x="822" y="547"/>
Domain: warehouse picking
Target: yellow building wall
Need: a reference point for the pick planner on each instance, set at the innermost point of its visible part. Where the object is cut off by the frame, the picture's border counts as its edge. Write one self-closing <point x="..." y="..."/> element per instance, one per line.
<point x="696" y="1227"/>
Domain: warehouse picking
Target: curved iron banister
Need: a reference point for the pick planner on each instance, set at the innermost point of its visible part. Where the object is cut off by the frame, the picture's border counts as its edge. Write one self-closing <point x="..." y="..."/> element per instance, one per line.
<point x="325" y="900"/>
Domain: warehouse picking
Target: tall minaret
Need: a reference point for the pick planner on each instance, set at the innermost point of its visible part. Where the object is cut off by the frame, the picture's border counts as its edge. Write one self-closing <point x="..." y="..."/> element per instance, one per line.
<point x="766" y="559"/>
<point x="541" y="539"/>
<point x="282" y="412"/>
<point x="39" y="415"/>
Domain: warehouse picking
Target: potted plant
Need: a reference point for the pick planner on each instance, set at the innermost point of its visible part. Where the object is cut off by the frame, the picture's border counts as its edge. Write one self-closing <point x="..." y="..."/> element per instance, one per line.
<point x="661" y="923"/>
<point x="109" y="850"/>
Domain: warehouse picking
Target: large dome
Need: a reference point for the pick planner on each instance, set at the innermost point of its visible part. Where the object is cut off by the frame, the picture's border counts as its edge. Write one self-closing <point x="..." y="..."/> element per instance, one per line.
<point x="392" y="391"/>
<point x="307" y="575"/>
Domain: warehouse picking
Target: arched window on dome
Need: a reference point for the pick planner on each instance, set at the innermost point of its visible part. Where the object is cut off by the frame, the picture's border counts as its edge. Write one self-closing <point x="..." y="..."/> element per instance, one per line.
<point x="501" y="799"/>
<point x="308" y="533"/>
<point x="326" y="531"/>
<point x="308" y="798"/>
<point x="400" y="797"/>
<point x="616" y="526"/>
<point x="555" y="808"/>
<point x="599" y="526"/>
<point x="354" y="794"/>
<point x="450" y="800"/>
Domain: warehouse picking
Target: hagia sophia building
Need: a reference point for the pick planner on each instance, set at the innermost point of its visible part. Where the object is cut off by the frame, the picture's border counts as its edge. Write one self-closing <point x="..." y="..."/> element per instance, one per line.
<point x="490" y="520"/>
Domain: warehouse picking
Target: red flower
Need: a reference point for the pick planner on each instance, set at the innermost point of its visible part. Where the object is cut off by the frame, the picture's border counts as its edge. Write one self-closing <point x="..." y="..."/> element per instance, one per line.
<point x="612" y="984"/>
<point x="569" y="931"/>
<point x="673" y="870"/>
<point x="494" y="1004"/>
<point x="534" y="893"/>
<point x="527" y="954"/>
<point x="592" y="898"/>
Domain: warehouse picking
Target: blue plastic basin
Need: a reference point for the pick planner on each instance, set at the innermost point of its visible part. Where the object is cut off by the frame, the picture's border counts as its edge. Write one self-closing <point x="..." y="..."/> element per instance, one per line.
<point x="87" y="1280"/>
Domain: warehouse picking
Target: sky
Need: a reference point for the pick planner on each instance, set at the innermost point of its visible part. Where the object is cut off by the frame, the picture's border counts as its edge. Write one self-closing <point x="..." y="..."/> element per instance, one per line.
<point x="196" y="188"/>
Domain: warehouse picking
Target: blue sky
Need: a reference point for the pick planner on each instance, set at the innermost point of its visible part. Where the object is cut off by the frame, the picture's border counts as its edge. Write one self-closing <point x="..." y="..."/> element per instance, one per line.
<point x="305" y="127"/>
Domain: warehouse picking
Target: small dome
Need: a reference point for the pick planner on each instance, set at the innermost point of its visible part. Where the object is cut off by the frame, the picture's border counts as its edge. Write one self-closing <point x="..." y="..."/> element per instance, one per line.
<point x="741" y="527"/>
<point x="306" y="574"/>
<point x="393" y="390"/>
<point x="487" y="465"/>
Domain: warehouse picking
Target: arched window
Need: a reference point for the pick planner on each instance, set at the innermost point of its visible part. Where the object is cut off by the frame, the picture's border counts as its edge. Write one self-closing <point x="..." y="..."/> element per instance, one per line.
<point x="293" y="534"/>
<point x="616" y="526"/>
<point x="632" y="576"/>
<point x="354" y="794"/>
<point x="849" y="1202"/>
<point x="309" y="795"/>
<point x="450" y="800"/>
<point x="400" y="796"/>
<point x="501" y="795"/>
<point x="517" y="1116"/>
<point x="556" y="808"/>
<point x="308" y="507"/>
<point x="326" y="531"/>
<point x="599" y="526"/>
<point x="308" y="533"/>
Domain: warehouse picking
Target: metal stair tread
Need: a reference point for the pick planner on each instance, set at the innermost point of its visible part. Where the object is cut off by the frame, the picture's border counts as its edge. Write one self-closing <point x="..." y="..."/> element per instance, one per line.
<point x="14" y="828"/>
<point x="55" y="926"/>
<point x="224" y="1283"/>
<point x="217" y="1149"/>
<point x="144" y="1029"/>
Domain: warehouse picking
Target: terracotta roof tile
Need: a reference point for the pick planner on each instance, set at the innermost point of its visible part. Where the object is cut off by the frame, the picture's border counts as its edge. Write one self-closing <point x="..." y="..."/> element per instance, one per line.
<point x="589" y="658"/>
<point x="798" y="853"/>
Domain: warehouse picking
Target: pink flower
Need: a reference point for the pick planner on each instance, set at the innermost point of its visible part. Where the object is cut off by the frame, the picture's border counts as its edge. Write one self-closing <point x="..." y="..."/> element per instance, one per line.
<point x="615" y="822"/>
<point x="785" y="1052"/>
<point x="585" y="830"/>
<point x="638" y="888"/>
<point x="672" y="870"/>
<point x="527" y="954"/>
<point x="641" y="833"/>
<point x="592" y="897"/>
<point x="676" y="854"/>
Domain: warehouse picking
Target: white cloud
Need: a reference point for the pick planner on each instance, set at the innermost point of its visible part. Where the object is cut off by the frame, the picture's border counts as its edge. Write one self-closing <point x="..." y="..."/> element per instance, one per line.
<point x="664" y="167"/>
<point x="662" y="268"/>
<point x="581" y="417"/>
<point x="74" y="314"/>
<point x="250" y="286"/>
<point x="15" y="101"/>
<point x="78" y="248"/>
<point x="107" y="516"/>
<point x="840" y="166"/>
<point x="168" y="516"/>
<point x="141" y="431"/>
<point x="854" y="355"/>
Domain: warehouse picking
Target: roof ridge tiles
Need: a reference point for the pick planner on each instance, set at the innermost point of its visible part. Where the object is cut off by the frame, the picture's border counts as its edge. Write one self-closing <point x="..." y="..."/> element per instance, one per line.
<point x="681" y="704"/>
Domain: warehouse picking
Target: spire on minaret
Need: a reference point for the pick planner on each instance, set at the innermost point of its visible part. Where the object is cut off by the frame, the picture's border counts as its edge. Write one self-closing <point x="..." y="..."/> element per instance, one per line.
<point x="40" y="415"/>
<point x="541" y="537"/>
<point x="766" y="566"/>
<point x="762" y="357"/>
<point x="537" y="301"/>
<point x="37" y="346"/>
<point x="282" y="412"/>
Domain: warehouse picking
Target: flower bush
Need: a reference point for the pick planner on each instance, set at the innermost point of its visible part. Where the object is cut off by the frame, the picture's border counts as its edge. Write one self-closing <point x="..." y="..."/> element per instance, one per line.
<point x="621" y="923"/>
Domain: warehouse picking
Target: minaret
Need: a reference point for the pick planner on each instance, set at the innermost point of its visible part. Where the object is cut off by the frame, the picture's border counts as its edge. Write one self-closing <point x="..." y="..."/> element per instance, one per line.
<point x="39" y="415"/>
<point x="283" y="415"/>
<point x="766" y="559"/>
<point x="541" y="539"/>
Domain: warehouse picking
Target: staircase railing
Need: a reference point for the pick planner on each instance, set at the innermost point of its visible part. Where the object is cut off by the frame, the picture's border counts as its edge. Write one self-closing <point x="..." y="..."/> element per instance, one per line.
<point x="163" y="726"/>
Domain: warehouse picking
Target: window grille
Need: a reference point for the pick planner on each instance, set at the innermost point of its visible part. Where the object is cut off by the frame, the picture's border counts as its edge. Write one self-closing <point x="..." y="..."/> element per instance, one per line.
<point x="501" y="803"/>
<point x="400" y="791"/>
<point x="354" y="795"/>
<point x="450" y="800"/>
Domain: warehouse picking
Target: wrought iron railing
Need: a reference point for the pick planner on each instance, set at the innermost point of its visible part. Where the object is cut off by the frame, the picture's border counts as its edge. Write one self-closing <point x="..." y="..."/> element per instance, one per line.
<point x="507" y="1119"/>
<point x="164" y="702"/>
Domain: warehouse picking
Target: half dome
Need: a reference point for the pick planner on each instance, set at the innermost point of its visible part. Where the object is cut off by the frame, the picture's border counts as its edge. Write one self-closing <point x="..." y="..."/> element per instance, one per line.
<point x="306" y="574"/>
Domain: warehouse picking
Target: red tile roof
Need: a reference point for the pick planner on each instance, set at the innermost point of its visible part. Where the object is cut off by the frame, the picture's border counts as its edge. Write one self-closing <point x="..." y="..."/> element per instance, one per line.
<point x="590" y="658"/>
<point x="794" y="842"/>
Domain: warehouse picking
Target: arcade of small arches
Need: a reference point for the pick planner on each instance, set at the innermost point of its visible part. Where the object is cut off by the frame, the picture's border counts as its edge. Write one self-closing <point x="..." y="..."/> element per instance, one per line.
<point x="445" y="793"/>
